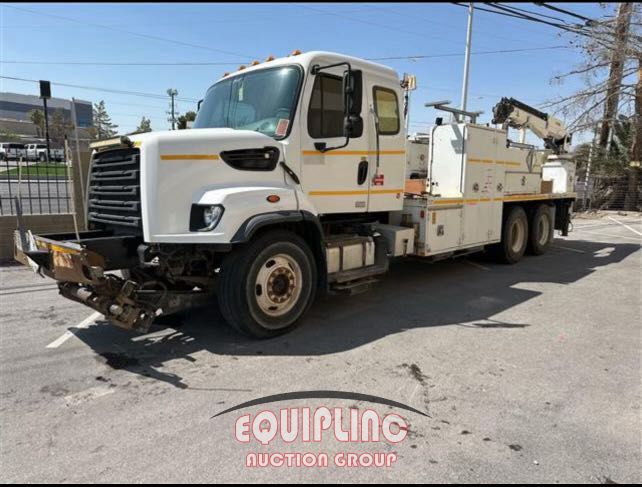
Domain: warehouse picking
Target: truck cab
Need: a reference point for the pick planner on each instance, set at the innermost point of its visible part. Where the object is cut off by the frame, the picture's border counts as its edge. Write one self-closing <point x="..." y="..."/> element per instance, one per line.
<point x="296" y="179"/>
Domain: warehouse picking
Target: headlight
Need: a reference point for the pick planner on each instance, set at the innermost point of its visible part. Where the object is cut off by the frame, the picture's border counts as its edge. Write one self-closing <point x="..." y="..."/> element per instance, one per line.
<point x="205" y="217"/>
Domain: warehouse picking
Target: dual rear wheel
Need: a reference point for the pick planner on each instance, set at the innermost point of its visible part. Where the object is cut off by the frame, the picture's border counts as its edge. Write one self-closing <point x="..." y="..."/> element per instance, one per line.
<point x="521" y="234"/>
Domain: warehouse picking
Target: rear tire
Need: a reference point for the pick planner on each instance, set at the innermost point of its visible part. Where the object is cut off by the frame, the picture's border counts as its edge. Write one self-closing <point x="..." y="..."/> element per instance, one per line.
<point x="540" y="234"/>
<point x="511" y="248"/>
<point x="265" y="287"/>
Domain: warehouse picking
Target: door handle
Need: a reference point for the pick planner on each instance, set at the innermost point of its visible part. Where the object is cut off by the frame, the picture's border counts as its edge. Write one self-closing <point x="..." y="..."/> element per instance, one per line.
<point x="362" y="172"/>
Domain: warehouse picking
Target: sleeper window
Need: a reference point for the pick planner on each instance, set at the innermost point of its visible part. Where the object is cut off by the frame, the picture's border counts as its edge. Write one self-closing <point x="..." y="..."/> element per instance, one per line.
<point x="387" y="108"/>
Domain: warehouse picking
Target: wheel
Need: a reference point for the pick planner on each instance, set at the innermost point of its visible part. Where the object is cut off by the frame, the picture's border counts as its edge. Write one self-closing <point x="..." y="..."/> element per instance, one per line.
<point x="514" y="237"/>
<point x="42" y="157"/>
<point x="541" y="231"/>
<point x="265" y="287"/>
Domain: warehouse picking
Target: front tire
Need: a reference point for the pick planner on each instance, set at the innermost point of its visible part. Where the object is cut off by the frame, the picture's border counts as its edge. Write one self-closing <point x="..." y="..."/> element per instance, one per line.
<point x="265" y="287"/>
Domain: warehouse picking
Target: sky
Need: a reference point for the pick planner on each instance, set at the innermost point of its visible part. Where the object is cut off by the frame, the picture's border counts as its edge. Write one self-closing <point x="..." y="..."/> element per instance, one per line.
<point x="37" y="38"/>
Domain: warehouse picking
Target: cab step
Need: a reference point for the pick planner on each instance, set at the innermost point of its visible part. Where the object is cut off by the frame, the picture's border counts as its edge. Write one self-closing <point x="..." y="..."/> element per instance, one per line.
<point x="353" y="287"/>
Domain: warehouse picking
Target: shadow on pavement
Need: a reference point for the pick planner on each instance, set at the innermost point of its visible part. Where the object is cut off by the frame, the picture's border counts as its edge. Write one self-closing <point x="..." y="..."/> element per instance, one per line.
<point x="414" y="294"/>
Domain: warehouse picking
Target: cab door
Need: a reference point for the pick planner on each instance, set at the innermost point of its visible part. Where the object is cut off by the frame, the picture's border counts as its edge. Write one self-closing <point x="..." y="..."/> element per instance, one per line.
<point x="335" y="181"/>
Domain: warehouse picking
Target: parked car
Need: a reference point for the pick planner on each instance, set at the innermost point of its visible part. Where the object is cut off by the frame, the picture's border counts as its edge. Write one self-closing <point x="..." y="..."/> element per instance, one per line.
<point x="11" y="151"/>
<point x="38" y="152"/>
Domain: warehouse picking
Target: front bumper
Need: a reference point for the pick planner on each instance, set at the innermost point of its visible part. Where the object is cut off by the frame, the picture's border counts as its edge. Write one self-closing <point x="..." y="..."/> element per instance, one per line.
<point x="81" y="268"/>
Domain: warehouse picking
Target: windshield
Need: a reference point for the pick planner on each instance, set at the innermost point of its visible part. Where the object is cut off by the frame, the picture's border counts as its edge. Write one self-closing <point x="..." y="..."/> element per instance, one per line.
<point x="262" y="100"/>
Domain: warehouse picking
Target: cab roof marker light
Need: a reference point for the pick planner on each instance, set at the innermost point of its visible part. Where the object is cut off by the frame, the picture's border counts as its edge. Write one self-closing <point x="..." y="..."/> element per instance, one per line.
<point x="241" y="67"/>
<point x="269" y="58"/>
<point x="225" y="74"/>
<point x="296" y="52"/>
<point x="254" y="63"/>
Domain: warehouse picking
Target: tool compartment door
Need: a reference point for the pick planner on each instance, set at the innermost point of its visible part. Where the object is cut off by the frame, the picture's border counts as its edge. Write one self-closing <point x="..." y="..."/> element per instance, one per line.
<point x="335" y="181"/>
<point x="479" y="186"/>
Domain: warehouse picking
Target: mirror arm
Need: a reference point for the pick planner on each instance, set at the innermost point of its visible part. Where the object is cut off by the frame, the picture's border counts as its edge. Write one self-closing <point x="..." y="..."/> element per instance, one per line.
<point x="320" y="146"/>
<point x="316" y="68"/>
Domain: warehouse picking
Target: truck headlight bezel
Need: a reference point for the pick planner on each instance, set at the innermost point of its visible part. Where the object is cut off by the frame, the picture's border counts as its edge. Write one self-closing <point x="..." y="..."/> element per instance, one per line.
<point x="205" y="218"/>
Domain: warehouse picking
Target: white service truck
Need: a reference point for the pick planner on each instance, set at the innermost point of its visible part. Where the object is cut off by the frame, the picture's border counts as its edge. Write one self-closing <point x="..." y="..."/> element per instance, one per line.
<point x="38" y="152"/>
<point x="298" y="178"/>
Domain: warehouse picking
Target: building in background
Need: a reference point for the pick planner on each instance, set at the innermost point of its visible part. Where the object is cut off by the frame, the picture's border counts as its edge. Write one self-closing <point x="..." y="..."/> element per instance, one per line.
<point x="15" y="108"/>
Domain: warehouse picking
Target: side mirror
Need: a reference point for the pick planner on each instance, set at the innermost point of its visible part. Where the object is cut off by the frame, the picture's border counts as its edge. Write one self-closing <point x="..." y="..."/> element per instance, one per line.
<point x="352" y="96"/>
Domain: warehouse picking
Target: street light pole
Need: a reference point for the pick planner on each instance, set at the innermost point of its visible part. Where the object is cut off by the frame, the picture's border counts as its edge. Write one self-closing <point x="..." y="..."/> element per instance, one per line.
<point x="464" y="88"/>
<point x="45" y="93"/>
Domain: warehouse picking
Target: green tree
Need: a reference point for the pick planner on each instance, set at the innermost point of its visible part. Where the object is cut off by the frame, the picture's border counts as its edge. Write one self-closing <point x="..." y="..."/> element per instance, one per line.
<point x="59" y="128"/>
<point x="103" y="127"/>
<point x="145" y="125"/>
<point x="8" y="136"/>
<point x="183" y="119"/>
<point x="37" y="117"/>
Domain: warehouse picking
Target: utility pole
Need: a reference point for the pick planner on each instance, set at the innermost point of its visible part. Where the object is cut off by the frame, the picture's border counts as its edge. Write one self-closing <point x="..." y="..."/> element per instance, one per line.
<point x="172" y="94"/>
<point x="622" y="25"/>
<point x="464" y="88"/>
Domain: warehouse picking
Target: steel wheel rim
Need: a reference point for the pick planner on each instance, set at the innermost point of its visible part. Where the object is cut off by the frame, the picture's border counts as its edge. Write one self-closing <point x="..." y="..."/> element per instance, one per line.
<point x="543" y="229"/>
<point x="277" y="287"/>
<point x="518" y="234"/>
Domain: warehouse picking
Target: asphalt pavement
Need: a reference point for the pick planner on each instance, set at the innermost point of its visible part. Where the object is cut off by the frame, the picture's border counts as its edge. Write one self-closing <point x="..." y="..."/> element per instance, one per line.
<point x="529" y="373"/>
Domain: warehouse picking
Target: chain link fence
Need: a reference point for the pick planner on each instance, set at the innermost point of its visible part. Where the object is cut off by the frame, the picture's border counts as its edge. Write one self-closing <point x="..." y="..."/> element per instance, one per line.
<point x="608" y="192"/>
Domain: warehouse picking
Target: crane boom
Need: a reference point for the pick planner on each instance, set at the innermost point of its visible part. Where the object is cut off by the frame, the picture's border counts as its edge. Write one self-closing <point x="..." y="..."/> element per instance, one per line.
<point x="519" y="115"/>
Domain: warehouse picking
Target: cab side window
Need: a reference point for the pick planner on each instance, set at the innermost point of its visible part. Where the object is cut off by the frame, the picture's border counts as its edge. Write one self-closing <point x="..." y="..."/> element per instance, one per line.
<point x="387" y="108"/>
<point x="325" y="115"/>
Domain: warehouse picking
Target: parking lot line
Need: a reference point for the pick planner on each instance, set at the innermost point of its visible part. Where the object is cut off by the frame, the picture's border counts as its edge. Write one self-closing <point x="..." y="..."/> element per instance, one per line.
<point x="475" y="264"/>
<point x="68" y="334"/>
<point x="607" y="235"/>
<point x="569" y="248"/>
<point x="624" y="225"/>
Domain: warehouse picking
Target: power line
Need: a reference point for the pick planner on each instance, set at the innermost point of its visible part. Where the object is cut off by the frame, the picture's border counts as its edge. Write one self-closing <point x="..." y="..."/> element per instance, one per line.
<point x="205" y="63"/>
<point x="147" y="36"/>
<point x="502" y="51"/>
<point x="449" y="26"/>
<point x="487" y="10"/>
<point x="100" y="63"/>
<point x="107" y="90"/>
<point x="567" y="12"/>
<point x="374" y="24"/>
<point x="534" y="19"/>
<point x="536" y="13"/>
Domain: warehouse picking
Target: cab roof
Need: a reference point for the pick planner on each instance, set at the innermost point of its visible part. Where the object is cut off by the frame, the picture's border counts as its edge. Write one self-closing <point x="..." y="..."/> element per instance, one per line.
<point x="309" y="58"/>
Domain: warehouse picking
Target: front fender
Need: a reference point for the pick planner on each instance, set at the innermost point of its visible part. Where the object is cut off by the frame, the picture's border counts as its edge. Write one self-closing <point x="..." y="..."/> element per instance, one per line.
<point x="240" y="203"/>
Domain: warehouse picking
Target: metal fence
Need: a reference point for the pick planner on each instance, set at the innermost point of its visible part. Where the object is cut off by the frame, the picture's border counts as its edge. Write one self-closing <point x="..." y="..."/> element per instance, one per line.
<point x="41" y="188"/>
<point x="607" y="192"/>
